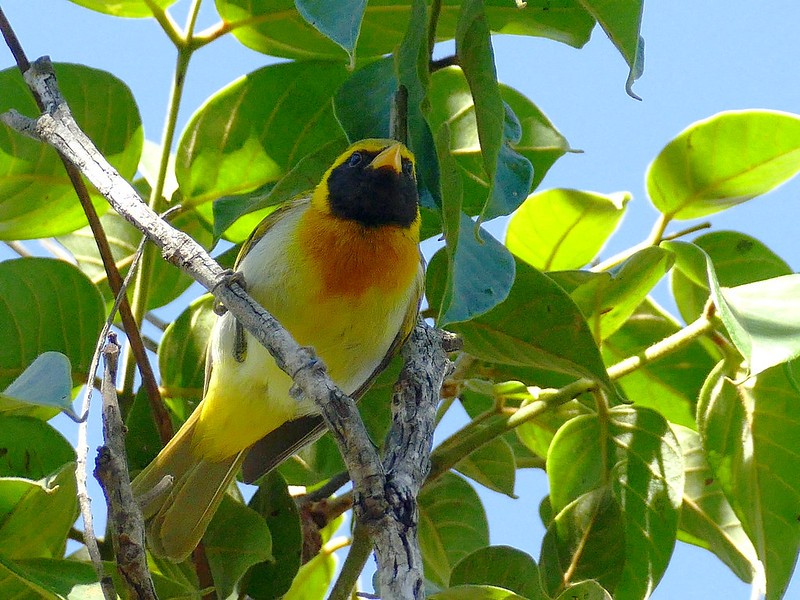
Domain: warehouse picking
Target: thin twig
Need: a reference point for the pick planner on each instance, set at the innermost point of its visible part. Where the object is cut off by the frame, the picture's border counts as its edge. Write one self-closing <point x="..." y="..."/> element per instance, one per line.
<point x="111" y="470"/>
<point x="327" y="489"/>
<point x="17" y="247"/>
<point x="360" y="549"/>
<point x="687" y="231"/>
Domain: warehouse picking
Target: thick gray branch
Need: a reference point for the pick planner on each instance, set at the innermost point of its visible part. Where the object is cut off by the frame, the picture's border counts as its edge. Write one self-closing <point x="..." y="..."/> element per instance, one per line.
<point x="386" y="503"/>
<point x="111" y="470"/>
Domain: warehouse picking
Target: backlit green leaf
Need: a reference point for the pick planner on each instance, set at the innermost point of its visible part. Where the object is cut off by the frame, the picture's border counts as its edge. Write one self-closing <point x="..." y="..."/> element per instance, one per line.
<point x="167" y="281"/>
<point x="476" y="592"/>
<point x="537" y="142"/>
<point x="314" y="578"/>
<point x="35" y="516"/>
<point x="500" y="566"/>
<point x="31" y="448"/>
<point x="271" y="579"/>
<point x="47" y="304"/>
<point x="609" y="476"/>
<point x="608" y="298"/>
<point x="182" y="352"/>
<point x="255" y="113"/>
<point x="724" y="160"/>
<point x="491" y="465"/>
<point x="585" y="590"/>
<point x="563" y="229"/>
<point x="749" y="434"/>
<point x="236" y="539"/>
<point x="452" y="524"/>
<point x="275" y="27"/>
<point x="707" y="515"/>
<point x="737" y="258"/>
<point x="762" y="318"/>
<point x="36" y="196"/>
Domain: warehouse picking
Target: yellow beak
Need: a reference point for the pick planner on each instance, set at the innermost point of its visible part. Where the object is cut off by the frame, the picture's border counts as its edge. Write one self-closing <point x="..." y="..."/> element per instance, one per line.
<point x="391" y="157"/>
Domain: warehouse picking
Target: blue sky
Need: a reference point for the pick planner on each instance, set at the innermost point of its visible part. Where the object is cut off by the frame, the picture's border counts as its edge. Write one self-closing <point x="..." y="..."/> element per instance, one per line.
<point x="701" y="58"/>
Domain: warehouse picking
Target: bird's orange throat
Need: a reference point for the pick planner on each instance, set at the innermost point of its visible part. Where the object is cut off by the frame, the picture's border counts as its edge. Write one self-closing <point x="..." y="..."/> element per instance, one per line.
<point x="353" y="259"/>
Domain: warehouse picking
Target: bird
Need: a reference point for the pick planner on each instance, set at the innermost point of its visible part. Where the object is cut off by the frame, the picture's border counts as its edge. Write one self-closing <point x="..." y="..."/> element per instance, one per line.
<point x="340" y="268"/>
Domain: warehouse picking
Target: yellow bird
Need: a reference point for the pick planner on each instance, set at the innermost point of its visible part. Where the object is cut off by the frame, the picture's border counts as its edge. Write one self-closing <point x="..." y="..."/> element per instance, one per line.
<point x="342" y="271"/>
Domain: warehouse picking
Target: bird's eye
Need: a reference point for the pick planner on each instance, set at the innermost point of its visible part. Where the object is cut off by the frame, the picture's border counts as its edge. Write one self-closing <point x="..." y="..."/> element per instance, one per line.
<point x="355" y="158"/>
<point x="408" y="167"/>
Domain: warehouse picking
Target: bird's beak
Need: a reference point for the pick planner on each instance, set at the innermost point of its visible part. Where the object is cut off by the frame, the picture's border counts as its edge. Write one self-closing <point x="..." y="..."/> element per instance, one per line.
<point x="391" y="157"/>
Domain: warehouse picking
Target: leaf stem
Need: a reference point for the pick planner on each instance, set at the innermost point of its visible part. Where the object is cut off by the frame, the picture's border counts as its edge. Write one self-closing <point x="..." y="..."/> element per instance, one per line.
<point x="210" y="34"/>
<point x="167" y="23"/>
<point x="477" y="433"/>
<point x="141" y="288"/>
<point x="360" y="549"/>
<point x="433" y="21"/>
<point x="654" y="239"/>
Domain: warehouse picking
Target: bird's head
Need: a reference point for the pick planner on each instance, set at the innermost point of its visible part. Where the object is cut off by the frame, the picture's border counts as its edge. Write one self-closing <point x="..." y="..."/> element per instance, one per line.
<point x="373" y="183"/>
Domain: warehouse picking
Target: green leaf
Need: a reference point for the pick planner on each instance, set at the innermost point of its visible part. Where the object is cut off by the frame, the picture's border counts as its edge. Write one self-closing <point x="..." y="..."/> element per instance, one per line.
<point x="561" y="229"/>
<point x="412" y="60"/>
<point x="47" y="382"/>
<point x="31" y="448"/>
<point x="271" y="579"/>
<point x="150" y="164"/>
<point x="476" y="59"/>
<point x="452" y="525"/>
<point x="622" y="21"/>
<point x="47" y="579"/>
<point x="538" y="325"/>
<point x="585" y="590"/>
<point x="500" y="566"/>
<point x="339" y="22"/>
<point x="707" y="516"/>
<point x="182" y="352"/>
<point x="479" y="273"/>
<point x="611" y="477"/>
<point x="608" y="298"/>
<point x="124" y="8"/>
<point x="255" y="112"/>
<point x="761" y="318"/>
<point x="236" y="539"/>
<point x="314" y="578"/>
<point x="537" y="141"/>
<point x="237" y="216"/>
<point x="509" y="174"/>
<point x="167" y="281"/>
<point x="35" y="516"/>
<point x="737" y="259"/>
<point x="585" y="539"/>
<point x="476" y="592"/>
<point x="749" y="434"/>
<point x="47" y="304"/>
<point x="143" y="441"/>
<point x="669" y="385"/>
<point x="537" y="434"/>
<point x="36" y="197"/>
<point x="276" y="28"/>
<point x="491" y="465"/>
<point x="724" y="160"/>
<point x="363" y="103"/>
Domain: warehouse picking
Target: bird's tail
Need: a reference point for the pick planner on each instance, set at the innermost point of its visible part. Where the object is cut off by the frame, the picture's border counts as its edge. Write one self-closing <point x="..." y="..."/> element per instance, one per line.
<point x="178" y="517"/>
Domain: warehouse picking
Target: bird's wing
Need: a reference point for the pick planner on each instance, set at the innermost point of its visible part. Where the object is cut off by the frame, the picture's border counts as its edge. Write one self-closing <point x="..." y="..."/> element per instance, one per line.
<point x="289" y="438"/>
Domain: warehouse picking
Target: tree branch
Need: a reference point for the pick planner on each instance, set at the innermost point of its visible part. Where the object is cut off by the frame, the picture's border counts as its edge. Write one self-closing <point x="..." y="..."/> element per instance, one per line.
<point x="385" y="504"/>
<point x="111" y="470"/>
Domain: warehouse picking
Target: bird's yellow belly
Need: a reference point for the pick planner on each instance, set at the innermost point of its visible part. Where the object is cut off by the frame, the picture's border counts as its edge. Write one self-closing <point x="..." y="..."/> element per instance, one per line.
<point x="247" y="400"/>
